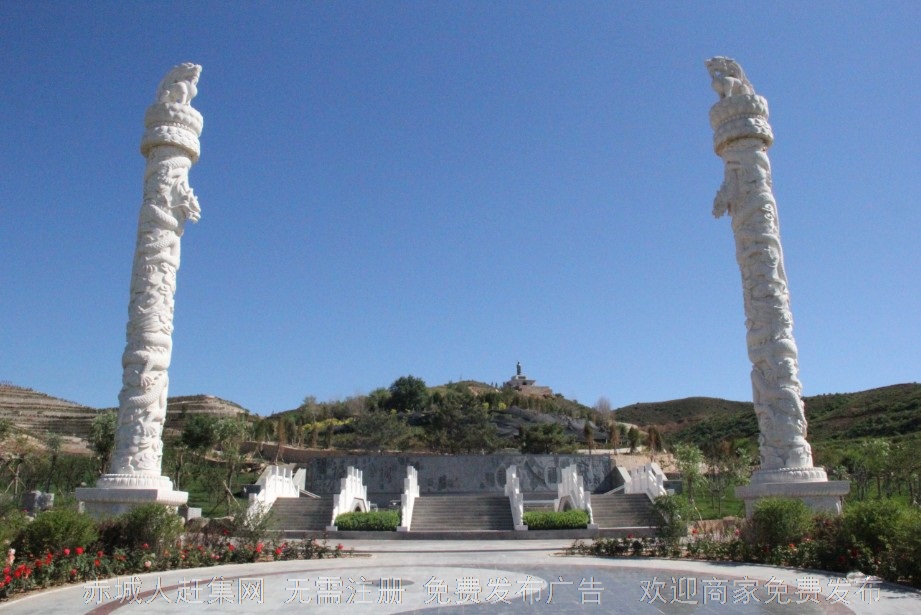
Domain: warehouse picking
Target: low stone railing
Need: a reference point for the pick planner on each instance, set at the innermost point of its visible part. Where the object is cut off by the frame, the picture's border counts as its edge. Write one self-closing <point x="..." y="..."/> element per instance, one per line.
<point x="515" y="497"/>
<point x="408" y="499"/>
<point x="648" y="479"/>
<point x="571" y="493"/>
<point x="274" y="482"/>
<point x="352" y="496"/>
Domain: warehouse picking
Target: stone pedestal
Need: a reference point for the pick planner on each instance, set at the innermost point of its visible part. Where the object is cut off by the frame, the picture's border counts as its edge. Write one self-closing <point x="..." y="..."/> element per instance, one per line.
<point x="102" y="502"/>
<point x="170" y="145"/>
<point x="809" y="485"/>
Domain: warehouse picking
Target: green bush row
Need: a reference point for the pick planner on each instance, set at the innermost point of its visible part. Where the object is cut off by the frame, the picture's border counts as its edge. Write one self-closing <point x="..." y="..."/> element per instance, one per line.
<point x="373" y="521"/>
<point x="64" y="546"/>
<point x="877" y="537"/>
<point x="548" y="520"/>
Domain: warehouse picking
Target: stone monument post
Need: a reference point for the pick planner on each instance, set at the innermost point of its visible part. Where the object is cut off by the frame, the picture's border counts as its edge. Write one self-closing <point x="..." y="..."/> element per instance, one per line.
<point x="170" y="144"/>
<point x="741" y="138"/>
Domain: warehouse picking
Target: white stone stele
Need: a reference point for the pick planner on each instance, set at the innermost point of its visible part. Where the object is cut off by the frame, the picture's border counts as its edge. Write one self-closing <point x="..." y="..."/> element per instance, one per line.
<point x="170" y="145"/>
<point x="741" y="137"/>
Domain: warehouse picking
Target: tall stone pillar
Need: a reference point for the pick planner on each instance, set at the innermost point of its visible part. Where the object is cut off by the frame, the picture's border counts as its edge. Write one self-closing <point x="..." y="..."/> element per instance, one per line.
<point x="741" y="138"/>
<point x="170" y="144"/>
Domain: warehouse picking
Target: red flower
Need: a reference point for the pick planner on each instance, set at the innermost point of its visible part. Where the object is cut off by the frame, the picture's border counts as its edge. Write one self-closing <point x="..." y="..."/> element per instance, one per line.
<point x="259" y="548"/>
<point x="99" y="553"/>
<point x="73" y="572"/>
<point x="278" y="551"/>
<point x="230" y="547"/>
<point x="79" y="550"/>
<point x="339" y="547"/>
<point x="145" y="546"/>
<point x="66" y="551"/>
<point x="96" y="562"/>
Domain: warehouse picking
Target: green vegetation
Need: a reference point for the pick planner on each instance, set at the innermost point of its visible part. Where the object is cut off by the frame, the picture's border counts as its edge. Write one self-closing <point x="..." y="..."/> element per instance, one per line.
<point x="546" y="438"/>
<point x="372" y="521"/>
<point x="55" y="529"/>
<point x="876" y="537"/>
<point x="61" y="546"/>
<point x="549" y="520"/>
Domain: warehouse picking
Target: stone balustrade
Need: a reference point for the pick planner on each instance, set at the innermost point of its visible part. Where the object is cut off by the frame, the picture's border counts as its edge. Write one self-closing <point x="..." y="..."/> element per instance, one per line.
<point x="648" y="479"/>
<point x="515" y="497"/>
<point x="274" y="482"/>
<point x="408" y="499"/>
<point x="352" y="496"/>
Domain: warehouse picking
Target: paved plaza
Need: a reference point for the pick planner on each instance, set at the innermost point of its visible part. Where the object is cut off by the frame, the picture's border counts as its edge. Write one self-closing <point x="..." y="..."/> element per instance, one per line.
<point x="511" y="577"/>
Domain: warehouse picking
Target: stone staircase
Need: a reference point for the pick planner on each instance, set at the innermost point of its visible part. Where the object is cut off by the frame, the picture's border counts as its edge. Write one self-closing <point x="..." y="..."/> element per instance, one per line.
<point x="461" y="513"/>
<point x="619" y="510"/>
<point x="302" y="513"/>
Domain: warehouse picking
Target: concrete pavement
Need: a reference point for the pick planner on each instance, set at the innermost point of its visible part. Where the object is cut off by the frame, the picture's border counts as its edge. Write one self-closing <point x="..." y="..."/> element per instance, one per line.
<point x="510" y="577"/>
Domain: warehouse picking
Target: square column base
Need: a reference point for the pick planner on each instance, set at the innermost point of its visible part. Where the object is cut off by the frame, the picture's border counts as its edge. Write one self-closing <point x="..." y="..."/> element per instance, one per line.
<point x="102" y="502"/>
<point x="821" y="496"/>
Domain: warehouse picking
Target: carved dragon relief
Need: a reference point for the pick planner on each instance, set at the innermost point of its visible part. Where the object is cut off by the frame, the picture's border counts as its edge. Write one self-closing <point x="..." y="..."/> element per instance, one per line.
<point x="168" y="203"/>
<point x="740" y="124"/>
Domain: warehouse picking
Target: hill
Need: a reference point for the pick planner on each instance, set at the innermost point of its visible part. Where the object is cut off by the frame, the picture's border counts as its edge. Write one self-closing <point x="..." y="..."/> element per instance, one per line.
<point x="39" y="414"/>
<point x="891" y="412"/>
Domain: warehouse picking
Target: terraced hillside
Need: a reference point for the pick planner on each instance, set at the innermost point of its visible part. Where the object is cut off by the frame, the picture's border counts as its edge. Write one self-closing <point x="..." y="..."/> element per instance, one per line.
<point x="38" y="414"/>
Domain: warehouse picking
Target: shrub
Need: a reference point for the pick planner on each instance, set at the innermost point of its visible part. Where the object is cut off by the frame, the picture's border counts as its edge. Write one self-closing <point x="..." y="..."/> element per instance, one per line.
<point x="373" y="521"/>
<point x="674" y="512"/>
<point x="151" y="526"/>
<point x="548" y="520"/>
<point x="54" y="530"/>
<point x="875" y="524"/>
<point x="12" y="522"/>
<point x="778" y="522"/>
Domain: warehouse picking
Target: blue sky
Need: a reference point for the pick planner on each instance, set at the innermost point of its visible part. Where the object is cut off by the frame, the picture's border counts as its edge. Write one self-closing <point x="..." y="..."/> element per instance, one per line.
<point x="443" y="189"/>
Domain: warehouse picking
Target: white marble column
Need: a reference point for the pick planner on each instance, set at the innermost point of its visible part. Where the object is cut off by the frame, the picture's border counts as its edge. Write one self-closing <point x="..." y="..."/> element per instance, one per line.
<point x="741" y="138"/>
<point x="170" y="144"/>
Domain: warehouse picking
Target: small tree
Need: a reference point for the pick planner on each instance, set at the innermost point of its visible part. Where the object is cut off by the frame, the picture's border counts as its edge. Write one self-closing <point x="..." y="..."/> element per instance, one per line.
<point x="53" y="443"/>
<point x="614" y="435"/>
<point x="408" y="394"/>
<point x="633" y="438"/>
<point x="654" y="441"/>
<point x="102" y="437"/>
<point x="689" y="459"/>
<point x="589" y="434"/>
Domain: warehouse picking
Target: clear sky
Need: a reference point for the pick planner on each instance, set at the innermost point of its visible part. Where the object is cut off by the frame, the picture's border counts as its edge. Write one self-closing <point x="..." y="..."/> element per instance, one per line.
<point x="445" y="188"/>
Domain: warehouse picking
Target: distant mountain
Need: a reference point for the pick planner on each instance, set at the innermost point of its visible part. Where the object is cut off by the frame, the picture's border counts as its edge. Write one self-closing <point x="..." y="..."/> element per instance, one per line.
<point x="891" y="412"/>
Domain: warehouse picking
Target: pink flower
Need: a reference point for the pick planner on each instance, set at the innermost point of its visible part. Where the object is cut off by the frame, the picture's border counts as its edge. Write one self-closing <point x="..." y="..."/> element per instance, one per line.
<point x="339" y="547"/>
<point x="79" y="550"/>
<point x="66" y="551"/>
<point x="147" y="564"/>
<point x="145" y="546"/>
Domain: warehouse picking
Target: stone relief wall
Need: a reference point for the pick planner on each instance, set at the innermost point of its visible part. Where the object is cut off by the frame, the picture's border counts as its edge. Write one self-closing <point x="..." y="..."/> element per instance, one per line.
<point x="452" y="474"/>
